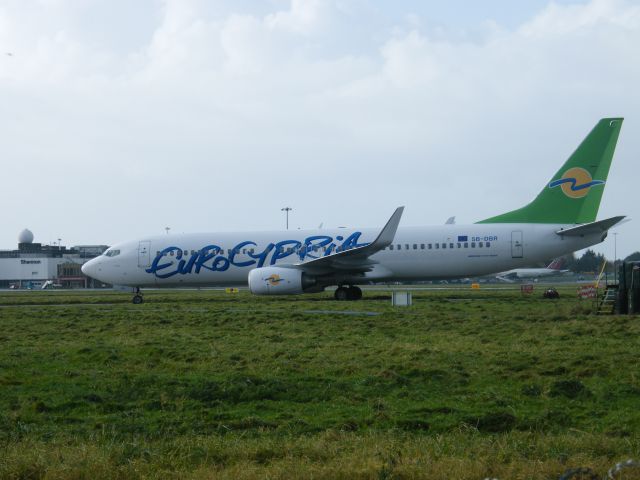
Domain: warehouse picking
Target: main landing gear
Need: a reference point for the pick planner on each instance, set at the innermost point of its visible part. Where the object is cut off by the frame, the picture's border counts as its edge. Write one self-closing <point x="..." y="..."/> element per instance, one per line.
<point x="137" y="296"/>
<point x="348" y="293"/>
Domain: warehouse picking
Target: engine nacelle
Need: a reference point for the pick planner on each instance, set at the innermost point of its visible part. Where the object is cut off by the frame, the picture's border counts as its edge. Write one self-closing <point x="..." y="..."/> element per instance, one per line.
<point x="279" y="281"/>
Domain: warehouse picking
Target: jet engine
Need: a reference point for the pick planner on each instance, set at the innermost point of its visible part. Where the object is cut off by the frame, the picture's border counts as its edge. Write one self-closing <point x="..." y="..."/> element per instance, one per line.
<point x="280" y="281"/>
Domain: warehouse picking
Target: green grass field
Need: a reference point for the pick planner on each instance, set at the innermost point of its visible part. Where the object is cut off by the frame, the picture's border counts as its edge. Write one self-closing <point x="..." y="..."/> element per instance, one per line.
<point x="203" y="384"/>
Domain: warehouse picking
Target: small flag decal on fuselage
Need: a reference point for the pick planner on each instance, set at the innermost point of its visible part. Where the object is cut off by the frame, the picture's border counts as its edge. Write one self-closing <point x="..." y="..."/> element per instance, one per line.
<point x="463" y="238"/>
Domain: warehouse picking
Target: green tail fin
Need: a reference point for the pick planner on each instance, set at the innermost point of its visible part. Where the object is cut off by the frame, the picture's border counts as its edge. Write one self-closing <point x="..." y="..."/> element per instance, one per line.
<point x="573" y="194"/>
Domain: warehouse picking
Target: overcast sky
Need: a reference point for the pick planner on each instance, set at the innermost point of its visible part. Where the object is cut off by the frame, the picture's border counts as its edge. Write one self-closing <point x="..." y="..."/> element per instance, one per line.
<point x="121" y="117"/>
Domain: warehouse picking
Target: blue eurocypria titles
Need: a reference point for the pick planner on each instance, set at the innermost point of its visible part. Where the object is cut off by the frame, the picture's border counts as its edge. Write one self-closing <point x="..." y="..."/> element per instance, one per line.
<point x="173" y="260"/>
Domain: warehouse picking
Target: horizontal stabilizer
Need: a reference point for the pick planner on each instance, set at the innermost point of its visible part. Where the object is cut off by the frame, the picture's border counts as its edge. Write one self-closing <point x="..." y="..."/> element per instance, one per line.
<point x="591" y="228"/>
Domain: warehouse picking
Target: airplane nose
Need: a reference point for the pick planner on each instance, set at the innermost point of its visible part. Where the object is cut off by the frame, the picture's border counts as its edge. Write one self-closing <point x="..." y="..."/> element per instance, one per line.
<point x="89" y="268"/>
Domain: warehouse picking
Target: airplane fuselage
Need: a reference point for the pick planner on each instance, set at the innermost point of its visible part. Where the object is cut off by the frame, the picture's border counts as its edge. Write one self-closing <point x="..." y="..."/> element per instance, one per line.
<point x="417" y="253"/>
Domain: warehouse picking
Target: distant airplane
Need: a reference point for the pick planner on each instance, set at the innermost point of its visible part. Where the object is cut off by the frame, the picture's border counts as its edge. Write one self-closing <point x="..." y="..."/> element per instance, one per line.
<point x="561" y="219"/>
<point x="553" y="269"/>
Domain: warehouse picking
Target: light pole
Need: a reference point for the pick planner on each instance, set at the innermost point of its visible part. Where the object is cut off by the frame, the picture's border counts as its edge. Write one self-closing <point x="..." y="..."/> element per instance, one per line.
<point x="615" y="257"/>
<point x="167" y="229"/>
<point x="286" y="210"/>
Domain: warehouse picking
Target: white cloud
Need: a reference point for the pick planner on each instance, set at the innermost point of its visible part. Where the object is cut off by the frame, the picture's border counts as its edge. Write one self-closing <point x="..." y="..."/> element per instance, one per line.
<point x="304" y="17"/>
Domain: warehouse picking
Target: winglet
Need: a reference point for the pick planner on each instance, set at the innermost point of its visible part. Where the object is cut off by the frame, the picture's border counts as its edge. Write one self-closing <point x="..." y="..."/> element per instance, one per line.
<point x="388" y="233"/>
<point x="356" y="259"/>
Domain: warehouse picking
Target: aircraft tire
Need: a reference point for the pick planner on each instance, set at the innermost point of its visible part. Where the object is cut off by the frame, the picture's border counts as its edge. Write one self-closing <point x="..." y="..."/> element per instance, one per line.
<point x="341" y="294"/>
<point x="355" y="293"/>
<point x="137" y="299"/>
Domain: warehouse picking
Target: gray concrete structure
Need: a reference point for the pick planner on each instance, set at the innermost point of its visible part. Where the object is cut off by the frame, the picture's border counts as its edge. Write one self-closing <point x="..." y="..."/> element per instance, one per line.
<point x="32" y="265"/>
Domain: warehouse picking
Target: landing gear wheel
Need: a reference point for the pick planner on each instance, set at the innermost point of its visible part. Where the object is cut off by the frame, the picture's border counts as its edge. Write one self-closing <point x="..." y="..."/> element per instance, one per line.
<point x="137" y="299"/>
<point x="341" y="294"/>
<point x="354" y="293"/>
<point x="348" y="293"/>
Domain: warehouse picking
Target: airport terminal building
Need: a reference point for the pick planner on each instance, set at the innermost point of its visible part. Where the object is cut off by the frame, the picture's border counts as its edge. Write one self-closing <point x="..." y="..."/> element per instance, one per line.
<point x="34" y="265"/>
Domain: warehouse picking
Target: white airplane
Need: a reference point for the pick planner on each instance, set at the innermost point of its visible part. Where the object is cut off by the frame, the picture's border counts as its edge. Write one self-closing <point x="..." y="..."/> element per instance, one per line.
<point x="553" y="269"/>
<point x="561" y="219"/>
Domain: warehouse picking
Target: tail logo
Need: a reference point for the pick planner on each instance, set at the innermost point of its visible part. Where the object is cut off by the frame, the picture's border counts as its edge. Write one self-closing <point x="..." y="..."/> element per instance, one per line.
<point x="576" y="182"/>
<point x="273" y="280"/>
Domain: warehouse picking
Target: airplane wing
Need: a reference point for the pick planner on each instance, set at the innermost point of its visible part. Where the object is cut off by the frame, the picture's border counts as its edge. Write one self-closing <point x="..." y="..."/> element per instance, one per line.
<point x="355" y="260"/>
<point x="590" y="228"/>
<point x="505" y="279"/>
<point x="509" y="277"/>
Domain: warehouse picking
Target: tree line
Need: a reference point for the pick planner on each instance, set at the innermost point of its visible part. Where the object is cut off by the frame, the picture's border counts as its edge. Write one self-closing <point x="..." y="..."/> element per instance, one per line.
<point x="591" y="261"/>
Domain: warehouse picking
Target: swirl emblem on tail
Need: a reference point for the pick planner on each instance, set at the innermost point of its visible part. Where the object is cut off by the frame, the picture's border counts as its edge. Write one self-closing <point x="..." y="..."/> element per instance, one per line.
<point x="575" y="182"/>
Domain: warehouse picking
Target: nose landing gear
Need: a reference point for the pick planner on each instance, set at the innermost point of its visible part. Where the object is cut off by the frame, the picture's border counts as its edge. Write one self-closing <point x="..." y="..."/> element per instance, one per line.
<point x="137" y="296"/>
<point x="347" y="293"/>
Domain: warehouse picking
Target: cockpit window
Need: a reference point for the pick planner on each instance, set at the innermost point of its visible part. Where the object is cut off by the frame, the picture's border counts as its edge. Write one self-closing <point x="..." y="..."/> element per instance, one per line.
<point x="112" y="253"/>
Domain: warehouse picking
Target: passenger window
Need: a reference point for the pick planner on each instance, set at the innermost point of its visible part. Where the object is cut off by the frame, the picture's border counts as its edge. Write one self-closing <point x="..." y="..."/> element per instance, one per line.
<point x="466" y="245"/>
<point x="488" y="244"/>
<point x="172" y="253"/>
<point x="399" y="247"/>
<point x="406" y="246"/>
<point x="459" y="245"/>
<point x="451" y="245"/>
<point x="390" y="247"/>
<point x="480" y="244"/>
<point x="422" y="246"/>
<point x="415" y="246"/>
<point x="444" y="245"/>
<point x="473" y="244"/>
<point x="430" y="245"/>
<point x="437" y="246"/>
